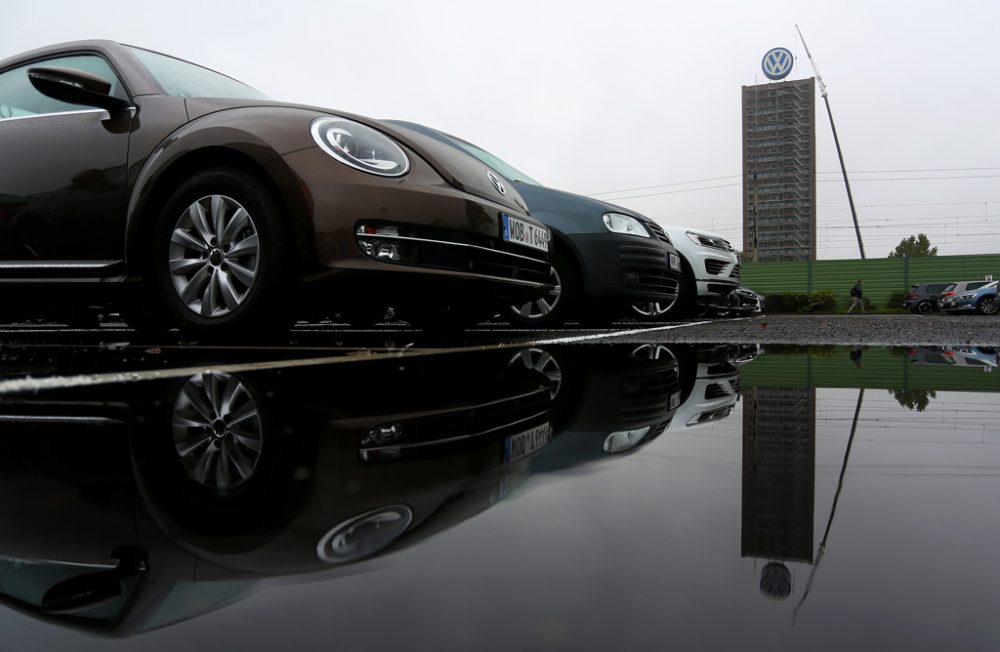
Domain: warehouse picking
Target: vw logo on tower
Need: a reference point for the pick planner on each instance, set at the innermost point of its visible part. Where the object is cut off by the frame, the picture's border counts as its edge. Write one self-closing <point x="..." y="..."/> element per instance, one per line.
<point x="777" y="63"/>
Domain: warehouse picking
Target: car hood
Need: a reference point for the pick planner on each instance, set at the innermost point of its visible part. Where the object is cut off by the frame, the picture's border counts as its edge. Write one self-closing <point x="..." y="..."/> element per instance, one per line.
<point x="542" y="198"/>
<point x="461" y="170"/>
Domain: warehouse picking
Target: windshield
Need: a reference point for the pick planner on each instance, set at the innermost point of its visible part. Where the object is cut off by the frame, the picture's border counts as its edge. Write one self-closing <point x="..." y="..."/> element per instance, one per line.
<point x="182" y="79"/>
<point x="497" y="164"/>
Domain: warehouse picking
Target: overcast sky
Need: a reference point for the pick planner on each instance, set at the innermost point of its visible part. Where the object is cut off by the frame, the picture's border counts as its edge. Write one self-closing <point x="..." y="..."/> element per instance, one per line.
<point x="624" y="96"/>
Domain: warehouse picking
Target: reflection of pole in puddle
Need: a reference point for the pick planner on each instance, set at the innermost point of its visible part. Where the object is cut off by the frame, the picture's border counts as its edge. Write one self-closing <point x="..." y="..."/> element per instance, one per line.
<point x="833" y="509"/>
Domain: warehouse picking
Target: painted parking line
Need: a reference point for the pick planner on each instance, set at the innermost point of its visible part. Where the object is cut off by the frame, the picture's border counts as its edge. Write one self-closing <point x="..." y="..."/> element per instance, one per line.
<point x="34" y="383"/>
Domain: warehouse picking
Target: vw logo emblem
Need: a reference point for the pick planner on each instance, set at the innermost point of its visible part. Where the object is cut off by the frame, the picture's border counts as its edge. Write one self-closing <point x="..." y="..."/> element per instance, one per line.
<point x="497" y="183"/>
<point x="777" y="63"/>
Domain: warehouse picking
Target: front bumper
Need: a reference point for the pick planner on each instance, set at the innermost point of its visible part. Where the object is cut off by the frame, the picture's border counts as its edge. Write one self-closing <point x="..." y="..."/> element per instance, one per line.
<point x="958" y="305"/>
<point x="625" y="269"/>
<point x="445" y="239"/>
<point x="717" y="273"/>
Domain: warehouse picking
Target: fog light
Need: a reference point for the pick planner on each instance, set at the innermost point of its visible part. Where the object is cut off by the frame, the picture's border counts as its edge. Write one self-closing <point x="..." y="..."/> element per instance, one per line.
<point x="383" y="435"/>
<point x="386" y="250"/>
<point x="619" y="442"/>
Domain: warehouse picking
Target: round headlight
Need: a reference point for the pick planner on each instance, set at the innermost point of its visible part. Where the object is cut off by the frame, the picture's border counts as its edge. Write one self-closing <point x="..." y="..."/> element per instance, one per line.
<point x="360" y="147"/>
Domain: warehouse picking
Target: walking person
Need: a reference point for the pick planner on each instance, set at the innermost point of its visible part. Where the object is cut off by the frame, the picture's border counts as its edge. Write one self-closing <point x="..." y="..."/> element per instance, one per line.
<point x="856" y="298"/>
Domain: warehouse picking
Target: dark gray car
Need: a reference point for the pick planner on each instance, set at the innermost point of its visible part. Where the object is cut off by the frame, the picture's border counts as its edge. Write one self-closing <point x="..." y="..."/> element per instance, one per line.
<point x="922" y="299"/>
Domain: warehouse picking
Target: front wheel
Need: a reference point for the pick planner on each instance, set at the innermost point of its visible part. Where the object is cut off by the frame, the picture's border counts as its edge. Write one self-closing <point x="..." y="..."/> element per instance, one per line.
<point x="923" y="308"/>
<point x="679" y="308"/>
<point x="558" y="305"/>
<point x="987" y="305"/>
<point x="220" y="256"/>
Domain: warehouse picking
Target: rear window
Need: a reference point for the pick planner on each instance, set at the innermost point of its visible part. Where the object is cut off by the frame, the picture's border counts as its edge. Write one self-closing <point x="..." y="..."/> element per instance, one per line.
<point x="937" y="288"/>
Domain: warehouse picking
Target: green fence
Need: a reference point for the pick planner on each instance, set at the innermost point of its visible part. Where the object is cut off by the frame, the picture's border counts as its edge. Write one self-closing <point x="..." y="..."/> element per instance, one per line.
<point x="880" y="368"/>
<point x="882" y="276"/>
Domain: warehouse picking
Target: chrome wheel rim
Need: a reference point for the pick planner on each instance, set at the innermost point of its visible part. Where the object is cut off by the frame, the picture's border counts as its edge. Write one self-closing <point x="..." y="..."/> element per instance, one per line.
<point x="217" y="431"/>
<point x="653" y="308"/>
<point x="214" y="256"/>
<point x="989" y="306"/>
<point x="542" y="306"/>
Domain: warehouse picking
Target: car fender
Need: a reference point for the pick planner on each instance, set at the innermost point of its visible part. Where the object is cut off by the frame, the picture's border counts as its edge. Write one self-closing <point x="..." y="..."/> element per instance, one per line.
<point x="248" y="137"/>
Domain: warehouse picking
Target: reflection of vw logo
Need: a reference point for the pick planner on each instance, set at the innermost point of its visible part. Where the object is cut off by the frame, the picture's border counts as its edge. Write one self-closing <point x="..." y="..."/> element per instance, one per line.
<point x="777" y="63"/>
<point x="497" y="183"/>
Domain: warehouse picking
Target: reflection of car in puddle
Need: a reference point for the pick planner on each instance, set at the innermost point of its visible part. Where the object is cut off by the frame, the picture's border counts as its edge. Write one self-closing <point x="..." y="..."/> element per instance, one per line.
<point x="716" y="386"/>
<point x="152" y="503"/>
<point x="984" y="358"/>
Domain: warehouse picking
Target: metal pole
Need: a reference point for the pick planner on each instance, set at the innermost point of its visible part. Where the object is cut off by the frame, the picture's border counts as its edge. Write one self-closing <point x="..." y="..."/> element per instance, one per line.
<point x="836" y="498"/>
<point x="836" y="141"/>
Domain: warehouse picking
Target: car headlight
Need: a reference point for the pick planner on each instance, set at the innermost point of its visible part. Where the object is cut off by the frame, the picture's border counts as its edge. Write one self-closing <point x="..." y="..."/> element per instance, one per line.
<point x="618" y="223"/>
<point x="619" y="442"/>
<point x="360" y="147"/>
<point x="967" y="296"/>
<point x="709" y="241"/>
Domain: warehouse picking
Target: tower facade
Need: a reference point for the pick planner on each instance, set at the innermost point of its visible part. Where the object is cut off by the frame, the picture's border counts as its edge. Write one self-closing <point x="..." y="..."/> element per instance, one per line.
<point x="779" y="171"/>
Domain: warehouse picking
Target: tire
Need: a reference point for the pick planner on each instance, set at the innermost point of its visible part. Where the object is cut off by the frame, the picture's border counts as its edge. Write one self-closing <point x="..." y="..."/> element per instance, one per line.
<point x="987" y="305"/>
<point x="555" y="308"/>
<point x="220" y="257"/>
<point x="923" y="308"/>
<point x="680" y="308"/>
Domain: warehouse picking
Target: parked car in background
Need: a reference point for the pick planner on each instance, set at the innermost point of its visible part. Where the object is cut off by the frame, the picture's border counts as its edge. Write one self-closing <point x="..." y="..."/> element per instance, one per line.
<point x="970" y="296"/>
<point x="711" y="276"/>
<point x="604" y="257"/>
<point x="922" y="299"/>
<point x="131" y="176"/>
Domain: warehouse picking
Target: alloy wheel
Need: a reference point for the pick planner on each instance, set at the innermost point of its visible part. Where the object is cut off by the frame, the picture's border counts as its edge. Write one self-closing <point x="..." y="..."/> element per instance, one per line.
<point x="988" y="305"/>
<point x="544" y="363"/>
<point x="653" y="309"/>
<point x="217" y="431"/>
<point x="924" y="307"/>
<point x="542" y="306"/>
<point x="214" y="256"/>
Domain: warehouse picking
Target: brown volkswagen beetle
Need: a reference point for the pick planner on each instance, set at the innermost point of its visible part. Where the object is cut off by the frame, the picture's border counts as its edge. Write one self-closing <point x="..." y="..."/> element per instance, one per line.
<point x="134" y="179"/>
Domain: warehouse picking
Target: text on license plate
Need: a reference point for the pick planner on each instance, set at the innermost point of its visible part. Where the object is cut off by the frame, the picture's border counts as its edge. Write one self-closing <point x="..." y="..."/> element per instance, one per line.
<point x="525" y="233"/>
<point x="525" y="443"/>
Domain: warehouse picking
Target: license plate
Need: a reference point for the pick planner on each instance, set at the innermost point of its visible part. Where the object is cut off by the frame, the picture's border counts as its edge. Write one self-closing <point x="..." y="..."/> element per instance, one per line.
<point x="523" y="444"/>
<point x="675" y="262"/>
<point x="524" y="233"/>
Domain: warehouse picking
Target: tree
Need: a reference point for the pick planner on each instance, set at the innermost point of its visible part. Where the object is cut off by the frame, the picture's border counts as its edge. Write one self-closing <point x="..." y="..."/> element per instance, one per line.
<point x="914" y="246"/>
<point x="914" y="399"/>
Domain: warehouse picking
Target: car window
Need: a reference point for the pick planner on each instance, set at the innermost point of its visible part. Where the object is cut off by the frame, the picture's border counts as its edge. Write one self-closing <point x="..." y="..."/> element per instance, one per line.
<point x="950" y="288"/>
<point x="976" y="285"/>
<point x="182" y="79"/>
<point x="931" y="289"/>
<point x="497" y="164"/>
<point x="18" y="98"/>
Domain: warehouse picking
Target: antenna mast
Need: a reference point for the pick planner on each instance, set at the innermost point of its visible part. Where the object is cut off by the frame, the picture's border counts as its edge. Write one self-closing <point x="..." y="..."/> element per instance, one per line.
<point x="836" y="140"/>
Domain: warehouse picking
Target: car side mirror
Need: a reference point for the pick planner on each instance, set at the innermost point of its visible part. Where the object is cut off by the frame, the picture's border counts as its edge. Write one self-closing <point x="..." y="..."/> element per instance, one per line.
<point x="75" y="87"/>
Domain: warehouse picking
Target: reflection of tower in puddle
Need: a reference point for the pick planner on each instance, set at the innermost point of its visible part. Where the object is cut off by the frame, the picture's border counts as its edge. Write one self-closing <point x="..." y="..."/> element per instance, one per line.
<point x="779" y="450"/>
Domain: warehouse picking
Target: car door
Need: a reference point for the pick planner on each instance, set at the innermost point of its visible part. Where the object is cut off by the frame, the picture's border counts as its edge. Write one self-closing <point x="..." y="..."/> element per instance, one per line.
<point x="62" y="177"/>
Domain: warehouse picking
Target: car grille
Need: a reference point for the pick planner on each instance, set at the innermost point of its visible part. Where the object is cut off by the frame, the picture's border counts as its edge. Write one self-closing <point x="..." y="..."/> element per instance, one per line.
<point x="736" y="272"/>
<point x="714" y="391"/>
<point x="504" y="415"/>
<point x="646" y="396"/>
<point x="488" y="261"/>
<point x="715" y="266"/>
<point x="658" y="231"/>
<point x="644" y="268"/>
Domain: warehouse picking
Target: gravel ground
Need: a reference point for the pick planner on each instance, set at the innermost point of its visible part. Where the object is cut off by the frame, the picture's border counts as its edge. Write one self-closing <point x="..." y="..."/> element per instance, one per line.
<point x="890" y="330"/>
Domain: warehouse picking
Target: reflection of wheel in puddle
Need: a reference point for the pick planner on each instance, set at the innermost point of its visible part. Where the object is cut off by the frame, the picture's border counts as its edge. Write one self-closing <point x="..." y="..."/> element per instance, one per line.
<point x="544" y="363"/>
<point x="217" y="431"/>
